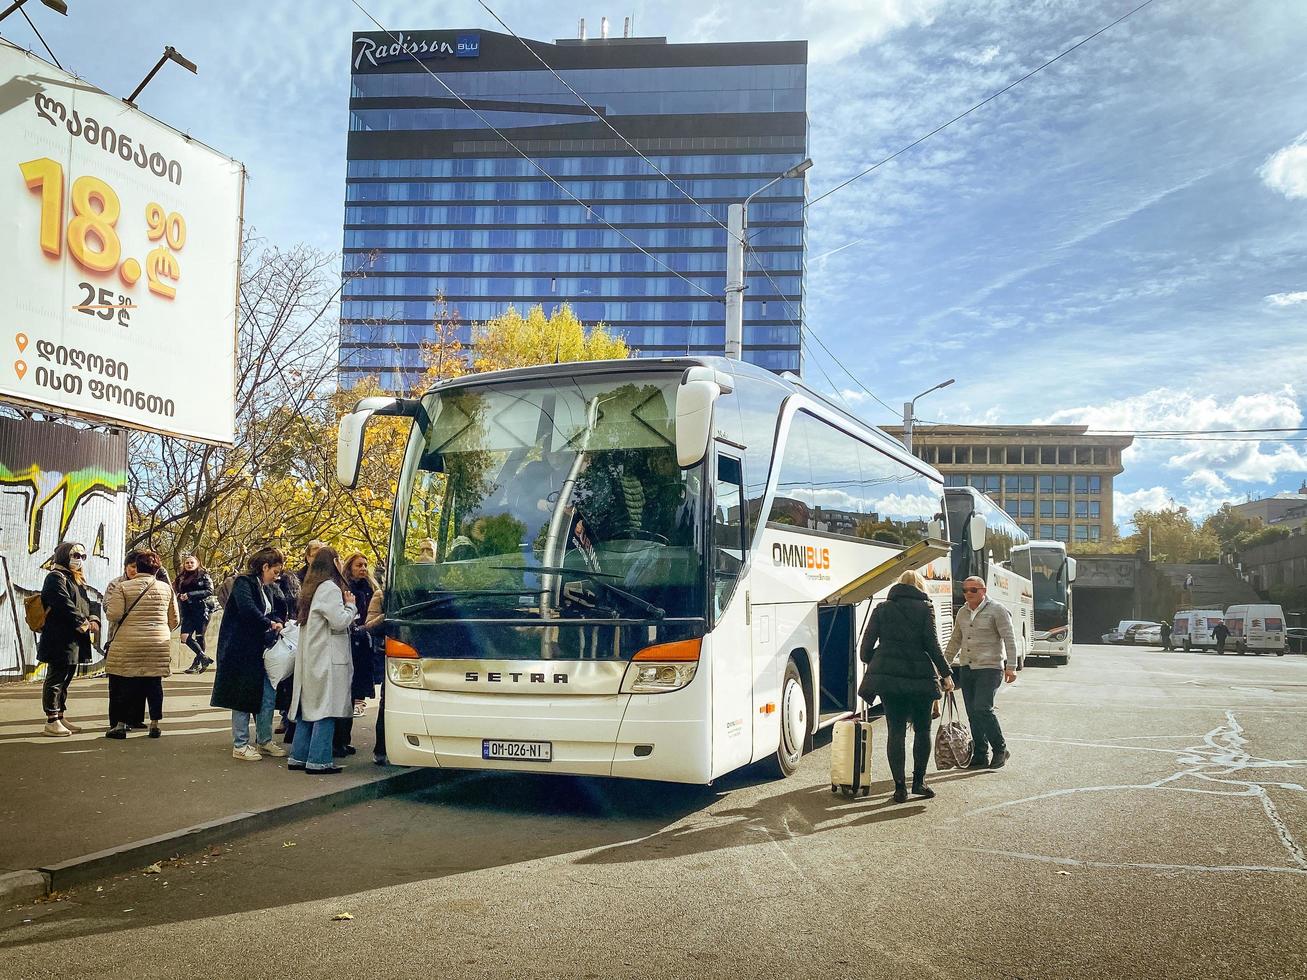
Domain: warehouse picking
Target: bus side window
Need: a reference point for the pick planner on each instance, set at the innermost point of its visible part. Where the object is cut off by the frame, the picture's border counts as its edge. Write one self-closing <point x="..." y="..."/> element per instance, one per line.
<point x="727" y="530"/>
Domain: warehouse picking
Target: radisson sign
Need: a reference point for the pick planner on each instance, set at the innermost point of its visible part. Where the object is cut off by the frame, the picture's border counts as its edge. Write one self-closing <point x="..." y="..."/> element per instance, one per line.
<point x="370" y="52"/>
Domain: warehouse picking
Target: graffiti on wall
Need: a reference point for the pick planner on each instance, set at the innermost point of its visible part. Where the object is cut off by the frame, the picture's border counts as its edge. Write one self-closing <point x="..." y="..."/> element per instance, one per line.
<point x="57" y="483"/>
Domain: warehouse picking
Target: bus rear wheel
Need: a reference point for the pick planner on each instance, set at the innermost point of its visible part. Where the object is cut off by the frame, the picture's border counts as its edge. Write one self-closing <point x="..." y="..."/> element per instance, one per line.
<point x="794" y="722"/>
<point x="1060" y="660"/>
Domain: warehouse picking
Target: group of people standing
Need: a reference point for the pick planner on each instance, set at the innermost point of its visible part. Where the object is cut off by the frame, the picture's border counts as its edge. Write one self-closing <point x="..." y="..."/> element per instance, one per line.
<point x="336" y="606"/>
<point x="909" y="672"/>
<point x="141" y="608"/>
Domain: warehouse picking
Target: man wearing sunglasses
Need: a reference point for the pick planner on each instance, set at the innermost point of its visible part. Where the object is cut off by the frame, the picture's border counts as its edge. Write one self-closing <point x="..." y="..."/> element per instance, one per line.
<point x="981" y="631"/>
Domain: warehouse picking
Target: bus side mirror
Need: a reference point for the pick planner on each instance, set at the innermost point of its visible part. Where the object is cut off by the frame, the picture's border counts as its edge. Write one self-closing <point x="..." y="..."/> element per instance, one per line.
<point x="349" y="437"/>
<point x="694" y="402"/>
<point x="935" y="530"/>
<point x="1070" y="569"/>
<point x="976" y="532"/>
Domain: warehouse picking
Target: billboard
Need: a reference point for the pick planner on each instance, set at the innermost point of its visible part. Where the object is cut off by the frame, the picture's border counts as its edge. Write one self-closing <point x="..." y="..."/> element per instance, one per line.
<point x="57" y="483"/>
<point x="119" y="259"/>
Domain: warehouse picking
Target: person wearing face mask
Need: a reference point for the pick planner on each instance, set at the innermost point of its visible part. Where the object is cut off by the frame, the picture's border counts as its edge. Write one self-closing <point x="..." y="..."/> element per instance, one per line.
<point x="66" y="637"/>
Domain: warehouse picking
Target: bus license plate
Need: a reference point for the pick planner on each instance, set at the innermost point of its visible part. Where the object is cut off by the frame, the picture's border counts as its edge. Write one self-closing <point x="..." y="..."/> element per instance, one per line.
<point x="511" y="751"/>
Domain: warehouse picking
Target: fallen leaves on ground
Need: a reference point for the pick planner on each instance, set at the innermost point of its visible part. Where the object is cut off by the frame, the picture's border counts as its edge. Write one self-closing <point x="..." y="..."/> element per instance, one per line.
<point x="154" y="869"/>
<point x="341" y="917"/>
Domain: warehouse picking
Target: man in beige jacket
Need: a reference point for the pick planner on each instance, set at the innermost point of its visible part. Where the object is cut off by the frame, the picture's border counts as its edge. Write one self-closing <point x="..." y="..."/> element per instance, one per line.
<point x="981" y="631"/>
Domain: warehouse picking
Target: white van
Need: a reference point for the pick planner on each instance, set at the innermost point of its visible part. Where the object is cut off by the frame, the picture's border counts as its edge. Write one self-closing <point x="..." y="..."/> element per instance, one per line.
<point x="1192" y="628"/>
<point x="1257" y="628"/>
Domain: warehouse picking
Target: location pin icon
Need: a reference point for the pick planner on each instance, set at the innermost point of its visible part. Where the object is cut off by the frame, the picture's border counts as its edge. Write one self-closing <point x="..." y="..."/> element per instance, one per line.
<point x="21" y="340"/>
<point x="20" y="368"/>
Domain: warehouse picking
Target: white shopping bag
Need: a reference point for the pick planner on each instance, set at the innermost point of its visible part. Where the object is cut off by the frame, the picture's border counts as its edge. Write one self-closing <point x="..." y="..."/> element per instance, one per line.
<point x="279" y="659"/>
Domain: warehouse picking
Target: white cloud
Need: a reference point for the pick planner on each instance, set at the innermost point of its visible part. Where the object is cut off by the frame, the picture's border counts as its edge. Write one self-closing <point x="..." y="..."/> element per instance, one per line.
<point x="1286" y="169"/>
<point x="1208" y="466"/>
<point x="1151" y="498"/>
<point x="982" y="57"/>
<point x="1287" y="299"/>
<point x="837" y="29"/>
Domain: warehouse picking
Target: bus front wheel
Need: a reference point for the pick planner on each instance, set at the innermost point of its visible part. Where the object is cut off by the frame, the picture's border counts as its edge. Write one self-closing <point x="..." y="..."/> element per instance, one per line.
<point x="794" y="722"/>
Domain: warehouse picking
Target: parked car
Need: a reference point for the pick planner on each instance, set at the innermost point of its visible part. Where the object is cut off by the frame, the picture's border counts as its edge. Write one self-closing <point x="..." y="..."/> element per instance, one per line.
<point x="1126" y="629"/>
<point x="1147" y="635"/>
<point x="1256" y="627"/>
<point x="1296" y="639"/>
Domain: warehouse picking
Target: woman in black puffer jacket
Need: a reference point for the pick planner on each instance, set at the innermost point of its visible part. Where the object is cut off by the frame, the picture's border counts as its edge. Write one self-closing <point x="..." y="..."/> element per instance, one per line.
<point x="905" y="665"/>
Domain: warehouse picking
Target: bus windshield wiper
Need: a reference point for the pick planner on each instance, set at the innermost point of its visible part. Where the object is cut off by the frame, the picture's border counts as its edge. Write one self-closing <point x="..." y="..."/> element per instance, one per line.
<point x="451" y="596"/>
<point x="657" y="612"/>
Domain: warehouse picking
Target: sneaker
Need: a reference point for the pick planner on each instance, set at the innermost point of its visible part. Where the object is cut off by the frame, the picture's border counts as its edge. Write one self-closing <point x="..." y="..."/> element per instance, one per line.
<point x="900" y="793"/>
<point x="55" y="729"/>
<point x="274" y="750"/>
<point x="70" y="726"/>
<point x="922" y="790"/>
<point x="246" y="753"/>
<point x="1000" y="759"/>
<point x="979" y="762"/>
<point x="118" y="731"/>
<point x="325" y="771"/>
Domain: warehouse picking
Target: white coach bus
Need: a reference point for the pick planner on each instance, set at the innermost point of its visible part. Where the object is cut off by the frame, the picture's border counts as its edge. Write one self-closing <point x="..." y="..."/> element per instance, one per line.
<point x="984" y="537"/>
<point x="655" y="569"/>
<point x="1052" y="572"/>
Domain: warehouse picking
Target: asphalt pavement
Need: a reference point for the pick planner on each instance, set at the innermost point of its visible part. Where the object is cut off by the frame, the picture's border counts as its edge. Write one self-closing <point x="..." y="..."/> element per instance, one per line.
<point x="1151" y="823"/>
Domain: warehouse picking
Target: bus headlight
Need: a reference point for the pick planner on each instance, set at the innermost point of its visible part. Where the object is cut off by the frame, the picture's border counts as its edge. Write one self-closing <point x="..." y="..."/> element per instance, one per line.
<point x="662" y="667"/>
<point x="404" y="673"/>
<point x="1058" y="635"/>
<point x="654" y="678"/>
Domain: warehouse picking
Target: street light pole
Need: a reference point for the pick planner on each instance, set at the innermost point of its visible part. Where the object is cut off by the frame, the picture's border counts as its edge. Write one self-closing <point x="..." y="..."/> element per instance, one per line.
<point x="737" y="220"/>
<point x="910" y="406"/>
<point x="169" y="54"/>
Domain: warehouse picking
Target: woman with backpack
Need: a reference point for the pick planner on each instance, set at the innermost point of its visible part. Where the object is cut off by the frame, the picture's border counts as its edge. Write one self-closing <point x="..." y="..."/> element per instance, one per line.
<point x="194" y="588"/>
<point x="904" y="666"/>
<point x="66" y="633"/>
<point x="142" y="614"/>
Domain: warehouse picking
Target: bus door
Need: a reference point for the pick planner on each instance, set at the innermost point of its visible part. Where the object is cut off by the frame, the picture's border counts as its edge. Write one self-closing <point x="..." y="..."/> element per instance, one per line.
<point x="733" y="645"/>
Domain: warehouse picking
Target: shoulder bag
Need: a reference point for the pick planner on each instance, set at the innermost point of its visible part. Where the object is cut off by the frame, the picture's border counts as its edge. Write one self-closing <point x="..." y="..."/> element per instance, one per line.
<point x="953" y="747"/>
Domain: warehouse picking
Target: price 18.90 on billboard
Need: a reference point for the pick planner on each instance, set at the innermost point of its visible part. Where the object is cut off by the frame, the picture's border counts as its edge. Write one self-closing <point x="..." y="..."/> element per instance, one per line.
<point x="119" y="255"/>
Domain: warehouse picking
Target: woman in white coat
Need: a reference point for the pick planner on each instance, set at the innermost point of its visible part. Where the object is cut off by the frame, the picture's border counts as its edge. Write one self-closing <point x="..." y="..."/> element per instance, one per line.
<point x="324" y="667"/>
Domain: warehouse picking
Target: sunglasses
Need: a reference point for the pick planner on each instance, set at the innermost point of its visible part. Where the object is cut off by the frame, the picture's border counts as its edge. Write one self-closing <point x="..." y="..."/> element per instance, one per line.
<point x="78" y="554"/>
<point x="973" y="590"/>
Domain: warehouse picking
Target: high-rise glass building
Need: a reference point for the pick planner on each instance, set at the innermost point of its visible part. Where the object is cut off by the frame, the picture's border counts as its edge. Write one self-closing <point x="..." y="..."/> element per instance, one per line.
<point x="438" y="202"/>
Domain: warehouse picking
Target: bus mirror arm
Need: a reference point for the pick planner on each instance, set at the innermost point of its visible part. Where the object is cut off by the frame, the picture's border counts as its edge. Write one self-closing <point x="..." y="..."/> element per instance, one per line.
<point x="349" y="437"/>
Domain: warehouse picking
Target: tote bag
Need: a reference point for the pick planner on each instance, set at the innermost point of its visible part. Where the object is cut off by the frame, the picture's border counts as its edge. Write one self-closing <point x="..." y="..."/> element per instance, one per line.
<point x="953" y="746"/>
<point x="279" y="659"/>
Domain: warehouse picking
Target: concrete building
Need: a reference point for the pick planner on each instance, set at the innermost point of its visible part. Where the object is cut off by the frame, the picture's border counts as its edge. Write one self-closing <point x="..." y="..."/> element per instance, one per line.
<point x="1280" y="507"/>
<point x="1054" y="480"/>
<point x="443" y="198"/>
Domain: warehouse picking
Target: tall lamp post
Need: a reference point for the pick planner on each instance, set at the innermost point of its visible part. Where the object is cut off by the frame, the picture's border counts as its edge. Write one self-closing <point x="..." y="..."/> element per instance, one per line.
<point x="737" y="218"/>
<point x="908" y="408"/>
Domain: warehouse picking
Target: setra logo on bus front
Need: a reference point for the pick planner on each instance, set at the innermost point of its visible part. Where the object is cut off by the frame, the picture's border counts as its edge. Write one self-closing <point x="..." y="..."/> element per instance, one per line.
<point x="800" y="556"/>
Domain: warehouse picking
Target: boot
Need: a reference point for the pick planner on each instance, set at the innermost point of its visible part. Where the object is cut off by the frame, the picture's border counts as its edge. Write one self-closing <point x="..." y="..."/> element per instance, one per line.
<point x="205" y="663"/>
<point x="195" y="666"/>
<point x="900" y="793"/>
<point x="118" y="731"/>
<point x="919" y="788"/>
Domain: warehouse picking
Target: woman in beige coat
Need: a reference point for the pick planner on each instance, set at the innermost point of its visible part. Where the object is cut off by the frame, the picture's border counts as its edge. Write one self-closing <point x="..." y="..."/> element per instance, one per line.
<point x="142" y="613"/>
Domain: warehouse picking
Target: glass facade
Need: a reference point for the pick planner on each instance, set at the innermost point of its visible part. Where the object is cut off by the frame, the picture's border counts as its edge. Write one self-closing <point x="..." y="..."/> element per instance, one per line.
<point x="437" y="202"/>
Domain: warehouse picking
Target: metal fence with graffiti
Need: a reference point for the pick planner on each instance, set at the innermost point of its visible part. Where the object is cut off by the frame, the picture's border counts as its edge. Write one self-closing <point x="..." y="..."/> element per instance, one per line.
<point x="57" y="483"/>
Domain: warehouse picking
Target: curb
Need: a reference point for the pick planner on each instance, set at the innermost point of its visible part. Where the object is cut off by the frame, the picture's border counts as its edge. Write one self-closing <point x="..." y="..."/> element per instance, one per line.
<point x="20" y="886"/>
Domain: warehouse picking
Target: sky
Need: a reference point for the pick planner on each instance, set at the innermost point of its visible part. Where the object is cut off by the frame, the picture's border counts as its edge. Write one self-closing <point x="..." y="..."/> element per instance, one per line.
<point x="1119" y="241"/>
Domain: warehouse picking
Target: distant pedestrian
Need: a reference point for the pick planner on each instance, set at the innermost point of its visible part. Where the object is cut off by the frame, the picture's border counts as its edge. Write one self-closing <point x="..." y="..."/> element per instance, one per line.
<point x="224" y="590"/>
<point x="194" y="589"/>
<point x="1221" y="634"/>
<point x="248" y="628"/>
<point x="310" y="551"/>
<point x="1189" y="582"/>
<point x="141" y="613"/>
<point x="323" y="667"/>
<point x="66" y="637"/>
<point x="1166" y="636"/>
<point x="907" y="669"/>
<point x="982" y="630"/>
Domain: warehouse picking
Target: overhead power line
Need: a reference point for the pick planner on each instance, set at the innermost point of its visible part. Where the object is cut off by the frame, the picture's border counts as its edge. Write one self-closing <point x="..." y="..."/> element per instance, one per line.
<point x="979" y="105"/>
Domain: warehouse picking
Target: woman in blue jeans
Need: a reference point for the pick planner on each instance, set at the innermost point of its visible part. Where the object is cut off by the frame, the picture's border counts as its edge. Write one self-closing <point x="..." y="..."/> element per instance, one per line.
<point x="324" y="666"/>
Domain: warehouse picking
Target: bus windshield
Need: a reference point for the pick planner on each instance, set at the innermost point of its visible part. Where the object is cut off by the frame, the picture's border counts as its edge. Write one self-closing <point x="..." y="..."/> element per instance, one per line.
<point x="555" y="499"/>
<point x="1049" y="581"/>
